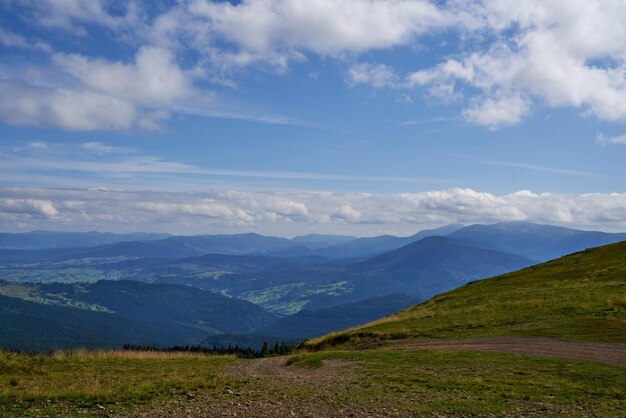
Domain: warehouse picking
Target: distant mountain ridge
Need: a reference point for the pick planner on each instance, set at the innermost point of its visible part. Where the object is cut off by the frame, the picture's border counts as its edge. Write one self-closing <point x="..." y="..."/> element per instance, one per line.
<point x="36" y="240"/>
<point x="96" y="244"/>
<point x="368" y="246"/>
<point x="285" y="284"/>
<point x="535" y="241"/>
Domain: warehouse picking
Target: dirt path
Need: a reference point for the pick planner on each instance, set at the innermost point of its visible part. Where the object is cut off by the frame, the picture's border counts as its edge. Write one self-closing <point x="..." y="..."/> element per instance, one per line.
<point x="274" y="390"/>
<point x="614" y="354"/>
<point x="270" y="388"/>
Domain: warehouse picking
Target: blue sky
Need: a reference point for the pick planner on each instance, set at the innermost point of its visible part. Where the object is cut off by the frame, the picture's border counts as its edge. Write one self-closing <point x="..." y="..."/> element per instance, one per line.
<point x="288" y="117"/>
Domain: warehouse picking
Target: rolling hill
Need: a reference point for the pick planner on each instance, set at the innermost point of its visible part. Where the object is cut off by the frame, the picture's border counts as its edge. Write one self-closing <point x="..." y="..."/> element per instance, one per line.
<point x="168" y="314"/>
<point x="308" y="323"/>
<point x="33" y="326"/>
<point x="580" y="296"/>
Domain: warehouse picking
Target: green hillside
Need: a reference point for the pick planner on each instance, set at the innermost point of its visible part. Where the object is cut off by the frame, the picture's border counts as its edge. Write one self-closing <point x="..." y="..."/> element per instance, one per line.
<point x="32" y="326"/>
<point x="581" y="296"/>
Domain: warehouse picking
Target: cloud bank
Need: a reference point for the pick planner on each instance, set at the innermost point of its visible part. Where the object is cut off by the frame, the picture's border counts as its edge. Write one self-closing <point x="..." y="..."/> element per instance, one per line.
<point x="291" y="213"/>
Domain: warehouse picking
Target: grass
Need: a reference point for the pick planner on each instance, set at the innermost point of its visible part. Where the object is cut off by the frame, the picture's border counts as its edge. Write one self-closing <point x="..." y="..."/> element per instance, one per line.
<point x="404" y="382"/>
<point x="473" y="383"/>
<point x="580" y="296"/>
<point x="62" y="382"/>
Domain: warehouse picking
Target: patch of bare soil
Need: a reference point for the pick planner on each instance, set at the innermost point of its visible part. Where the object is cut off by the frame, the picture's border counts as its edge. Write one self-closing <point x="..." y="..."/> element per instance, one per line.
<point x="614" y="354"/>
<point x="275" y="390"/>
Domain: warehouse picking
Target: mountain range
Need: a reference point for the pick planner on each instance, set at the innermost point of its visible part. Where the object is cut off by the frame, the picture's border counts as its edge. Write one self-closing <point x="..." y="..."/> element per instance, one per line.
<point x="240" y="288"/>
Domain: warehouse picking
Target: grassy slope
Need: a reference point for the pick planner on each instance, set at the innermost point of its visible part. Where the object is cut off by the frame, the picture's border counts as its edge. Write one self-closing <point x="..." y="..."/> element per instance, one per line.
<point x="580" y="296"/>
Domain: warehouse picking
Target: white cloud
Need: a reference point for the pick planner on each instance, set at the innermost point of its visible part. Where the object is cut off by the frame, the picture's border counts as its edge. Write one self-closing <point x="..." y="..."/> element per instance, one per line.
<point x="108" y="95"/>
<point x="295" y="212"/>
<point x="70" y="109"/>
<point x="562" y="53"/>
<point x="347" y="213"/>
<point x="153" y="78"/>
<point x="617" y="139"/>
<point x="534" y="167"/>
<point x="28" y="207"/>
<point x="325" y="27"/>
<point x="100" y="148"/>
<point x="119" y="164"/>
<point x="70" y="14"/>
<point x="376" y="75"/>
<point x="13" y="40"/>
<point x="497" y="112"/>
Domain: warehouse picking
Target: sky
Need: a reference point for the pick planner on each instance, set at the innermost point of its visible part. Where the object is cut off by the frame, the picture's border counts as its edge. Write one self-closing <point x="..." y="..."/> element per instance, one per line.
<point x="289" y="117"/>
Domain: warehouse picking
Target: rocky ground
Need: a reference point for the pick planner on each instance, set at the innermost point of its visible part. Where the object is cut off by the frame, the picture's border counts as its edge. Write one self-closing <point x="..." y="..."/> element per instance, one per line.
<point x="299" y="392"/>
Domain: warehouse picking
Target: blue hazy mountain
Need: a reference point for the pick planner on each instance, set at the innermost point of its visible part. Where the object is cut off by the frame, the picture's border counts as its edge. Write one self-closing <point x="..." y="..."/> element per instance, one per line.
<point x="368" y="246"/>
<point x="535" y="241"/>
<point x="51" y="239"/>
<point x="434" y="265"/>
<point x="314" y="241"/>
<point x="171" y="247"/>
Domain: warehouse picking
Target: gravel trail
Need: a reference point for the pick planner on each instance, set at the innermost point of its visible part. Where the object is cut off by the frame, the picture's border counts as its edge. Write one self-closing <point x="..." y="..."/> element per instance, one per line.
<point x="274" y="389"/>
<point x="614" y="354"/>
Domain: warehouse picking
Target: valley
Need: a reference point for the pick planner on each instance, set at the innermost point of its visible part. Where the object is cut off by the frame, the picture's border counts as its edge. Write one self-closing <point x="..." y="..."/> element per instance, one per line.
<point x="544" y="340"/>
<point x="179" y="293"/>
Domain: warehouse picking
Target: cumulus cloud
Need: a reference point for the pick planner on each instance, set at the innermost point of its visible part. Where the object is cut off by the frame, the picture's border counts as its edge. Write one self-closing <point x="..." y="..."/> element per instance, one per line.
<point x="108" y="95"/>
<point x="506" y="56"/>
<point x="296" y="212"/>
<point x="326" y="27"/>
<point x="497" y="112"/>
<point x="347" y="213"/>
<point x="152" y="78"/>
<point x="562" y="53"/>
<point x="70" y="109"/>
<point x="28" y="207"/>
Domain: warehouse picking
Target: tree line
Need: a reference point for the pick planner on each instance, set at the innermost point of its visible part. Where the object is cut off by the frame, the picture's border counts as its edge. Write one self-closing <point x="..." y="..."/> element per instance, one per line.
<point x="266" y="350"/>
